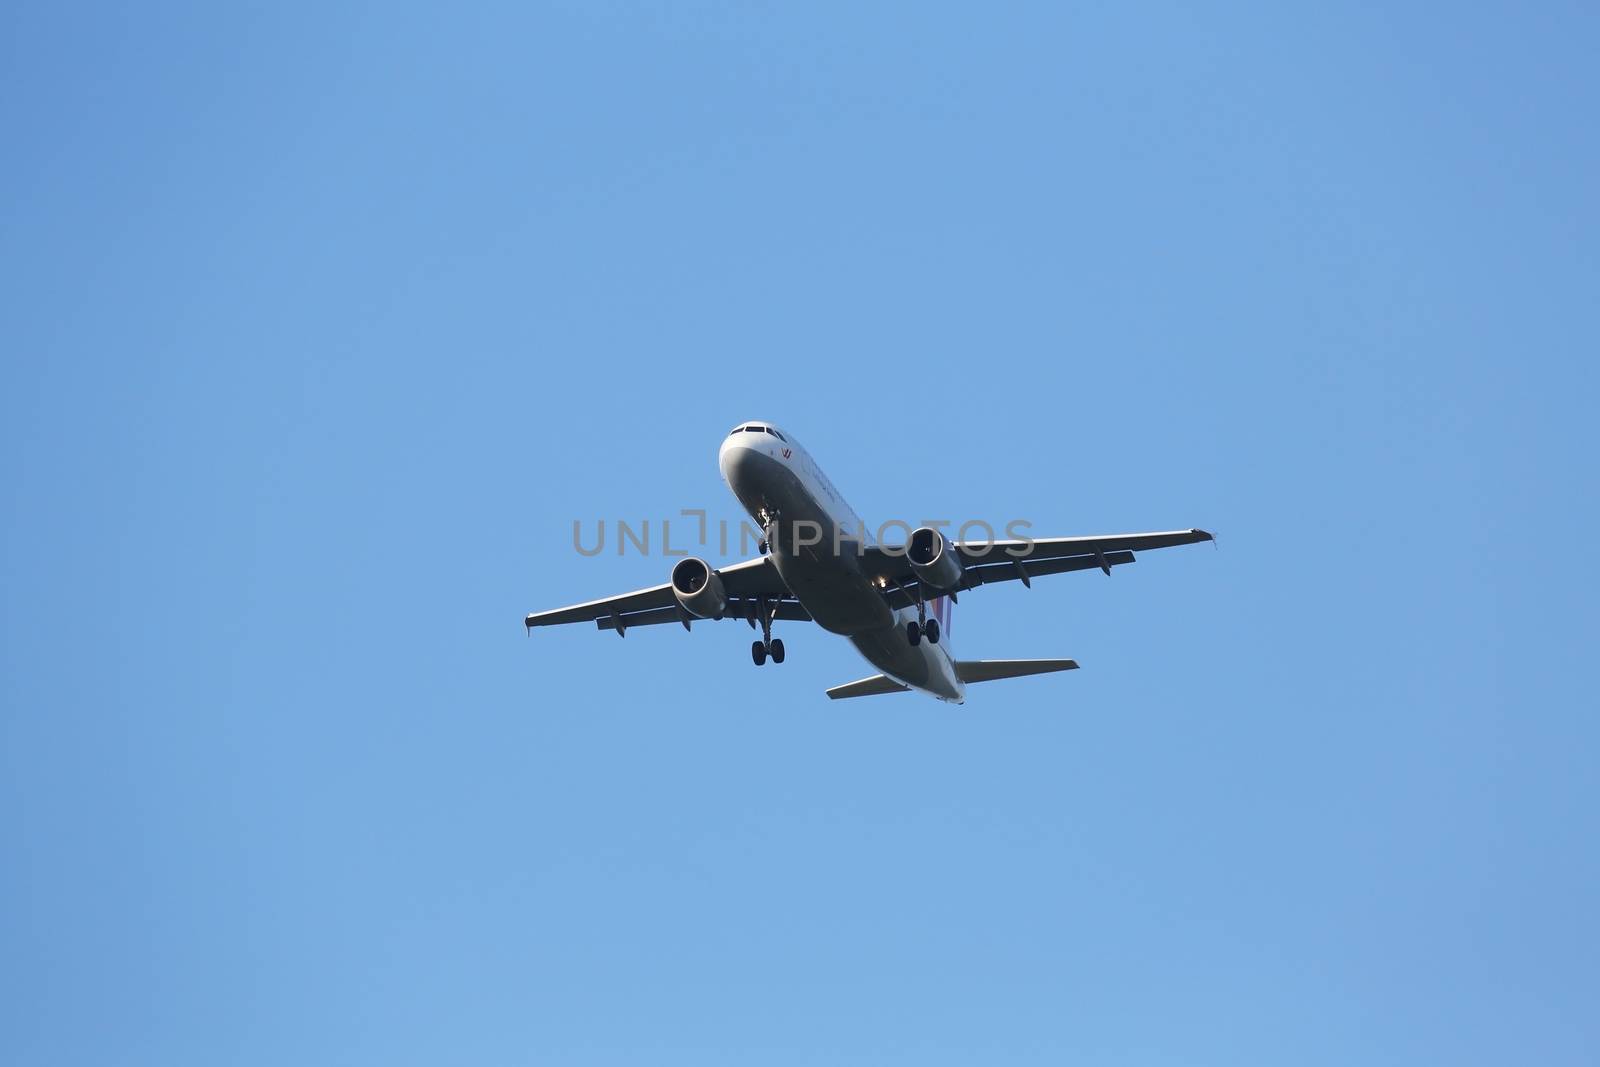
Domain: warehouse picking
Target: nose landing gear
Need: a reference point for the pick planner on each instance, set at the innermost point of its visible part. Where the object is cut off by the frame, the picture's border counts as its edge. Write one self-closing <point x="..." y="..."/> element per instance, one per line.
<point x="769" y="530"/>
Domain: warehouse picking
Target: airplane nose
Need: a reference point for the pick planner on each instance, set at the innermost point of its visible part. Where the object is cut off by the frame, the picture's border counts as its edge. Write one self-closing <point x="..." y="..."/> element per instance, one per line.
<point x="734" y="460"/>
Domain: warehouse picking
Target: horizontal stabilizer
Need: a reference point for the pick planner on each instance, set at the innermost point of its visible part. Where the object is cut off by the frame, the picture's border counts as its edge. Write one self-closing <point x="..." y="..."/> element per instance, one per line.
<point x="968" y="670"/>
<point x="866" y="687"/>
<point x="989" y="670"/>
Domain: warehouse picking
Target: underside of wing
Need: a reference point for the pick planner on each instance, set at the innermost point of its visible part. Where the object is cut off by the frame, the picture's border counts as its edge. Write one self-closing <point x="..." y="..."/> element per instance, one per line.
<point x="979" y="553"/>
<point x="1002" y="561"/>
<point x="747" y="609"/>
<point x="747" y="584"/>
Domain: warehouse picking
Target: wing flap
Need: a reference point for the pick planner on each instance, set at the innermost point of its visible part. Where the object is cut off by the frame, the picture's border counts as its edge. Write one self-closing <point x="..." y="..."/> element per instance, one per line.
<point x="977" y="553"/>
<point x="972" y="577"/>
<point x="788" y="610"/>
<point x="641" y="602"/>
<point x="997" y="561"/>
<point x="1038" y="568"/>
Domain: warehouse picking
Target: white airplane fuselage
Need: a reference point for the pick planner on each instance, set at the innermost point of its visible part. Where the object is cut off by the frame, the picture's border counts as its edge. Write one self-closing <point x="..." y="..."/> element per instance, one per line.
<point x="776" y="480"/>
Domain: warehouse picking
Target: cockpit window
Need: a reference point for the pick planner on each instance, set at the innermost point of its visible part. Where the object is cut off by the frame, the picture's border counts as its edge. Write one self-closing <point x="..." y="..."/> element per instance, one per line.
<point x="776" y="434"/>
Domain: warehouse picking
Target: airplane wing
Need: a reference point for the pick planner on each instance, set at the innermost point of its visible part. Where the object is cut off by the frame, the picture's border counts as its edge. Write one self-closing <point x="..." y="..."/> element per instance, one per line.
<point x="757" y="579"/>
<point x="1000" y="561"/>
<point x="745" y="583"/>
<point x="978" y="553"/>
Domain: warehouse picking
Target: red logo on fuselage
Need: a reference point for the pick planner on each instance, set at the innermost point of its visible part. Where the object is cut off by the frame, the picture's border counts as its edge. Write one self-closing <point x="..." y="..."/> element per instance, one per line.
<point x="787" y="453"/>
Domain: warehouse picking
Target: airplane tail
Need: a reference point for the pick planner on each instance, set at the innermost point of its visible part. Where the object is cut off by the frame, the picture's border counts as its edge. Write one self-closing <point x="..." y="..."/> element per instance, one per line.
<point x="940" y="608"/>
<point x="968" y="670"/>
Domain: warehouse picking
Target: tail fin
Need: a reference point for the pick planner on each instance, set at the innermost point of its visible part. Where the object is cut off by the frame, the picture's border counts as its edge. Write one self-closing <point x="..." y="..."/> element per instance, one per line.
<point x="939" y="608"/>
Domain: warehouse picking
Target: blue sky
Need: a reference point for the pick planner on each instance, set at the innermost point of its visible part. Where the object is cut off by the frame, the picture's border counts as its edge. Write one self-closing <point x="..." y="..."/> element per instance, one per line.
<point x="323" y="324"/>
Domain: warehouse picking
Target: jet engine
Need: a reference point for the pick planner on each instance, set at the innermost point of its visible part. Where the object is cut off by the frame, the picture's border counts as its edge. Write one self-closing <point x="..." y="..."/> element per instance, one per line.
<point x="699" y="589"/>
<point x="933" y="559"/>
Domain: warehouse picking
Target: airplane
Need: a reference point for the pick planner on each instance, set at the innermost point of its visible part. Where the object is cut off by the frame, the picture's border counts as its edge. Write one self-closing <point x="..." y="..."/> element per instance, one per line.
<point x="819" y="564"/>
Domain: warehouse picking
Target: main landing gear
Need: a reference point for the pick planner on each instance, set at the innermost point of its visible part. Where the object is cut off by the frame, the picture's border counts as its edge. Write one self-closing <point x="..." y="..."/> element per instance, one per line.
<point x="923" y="626"/>
<point x="768" y="645"/>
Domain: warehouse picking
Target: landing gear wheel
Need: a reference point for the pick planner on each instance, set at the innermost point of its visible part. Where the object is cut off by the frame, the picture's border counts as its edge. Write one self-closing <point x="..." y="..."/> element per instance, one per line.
<point x="913" y="634"/>
<point x="932" y="631"/>
<point x="758" y="652"/>
<point x="762" y="546"/>
<point x="777" y="650"/>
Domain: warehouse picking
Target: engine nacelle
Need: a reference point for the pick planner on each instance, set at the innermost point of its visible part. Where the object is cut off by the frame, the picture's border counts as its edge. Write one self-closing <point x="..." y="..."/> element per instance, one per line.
<point x="699" y="589"/>
<point x="932" y="558"/>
